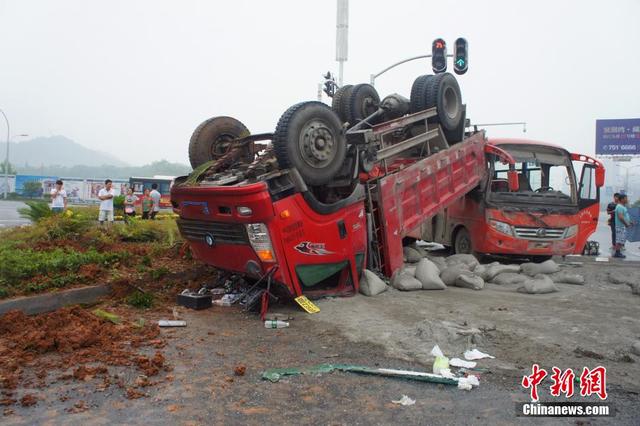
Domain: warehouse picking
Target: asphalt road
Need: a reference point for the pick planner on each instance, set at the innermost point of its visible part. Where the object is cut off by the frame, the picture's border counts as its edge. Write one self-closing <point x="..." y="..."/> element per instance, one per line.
<point x="9" y="215"/>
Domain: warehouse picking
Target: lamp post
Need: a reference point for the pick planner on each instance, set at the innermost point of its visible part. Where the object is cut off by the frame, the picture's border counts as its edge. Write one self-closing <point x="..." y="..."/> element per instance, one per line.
<point x="6" y="160"/>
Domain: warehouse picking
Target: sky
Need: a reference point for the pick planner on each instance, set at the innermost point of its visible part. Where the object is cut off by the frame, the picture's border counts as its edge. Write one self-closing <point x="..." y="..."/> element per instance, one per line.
<point x="134" y="78"/>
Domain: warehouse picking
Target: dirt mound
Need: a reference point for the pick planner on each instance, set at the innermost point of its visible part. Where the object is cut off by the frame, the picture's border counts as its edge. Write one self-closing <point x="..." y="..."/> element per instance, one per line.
<point x="70" y="338"/>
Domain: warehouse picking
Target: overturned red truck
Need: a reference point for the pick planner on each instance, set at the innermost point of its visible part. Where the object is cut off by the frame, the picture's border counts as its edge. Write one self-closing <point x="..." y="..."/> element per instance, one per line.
<point x="338" y="189"/>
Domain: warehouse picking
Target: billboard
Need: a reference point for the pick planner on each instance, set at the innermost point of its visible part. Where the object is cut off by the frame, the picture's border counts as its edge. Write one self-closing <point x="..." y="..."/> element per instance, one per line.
<point x="46" y="183"/>
<point x="618" y="137"/>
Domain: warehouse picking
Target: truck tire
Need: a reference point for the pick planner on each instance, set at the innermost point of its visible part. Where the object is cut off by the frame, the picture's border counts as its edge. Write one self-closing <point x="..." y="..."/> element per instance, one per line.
<point x="417" y="97"/>
<point x="462" y="242"/>
<point x="213" y="138"/>
<point x="309" y="137"/>
<point x="339" y="101"/>
<point x="361" y="101"/>
<point x="443" y="92"/>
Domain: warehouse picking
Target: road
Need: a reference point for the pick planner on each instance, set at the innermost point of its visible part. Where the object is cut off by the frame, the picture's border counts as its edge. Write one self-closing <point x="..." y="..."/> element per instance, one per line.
<point x="9" y="215"/>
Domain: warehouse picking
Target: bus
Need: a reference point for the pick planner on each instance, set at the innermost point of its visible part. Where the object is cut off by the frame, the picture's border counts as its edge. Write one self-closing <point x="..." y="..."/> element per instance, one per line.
<point x="139" y="184"/>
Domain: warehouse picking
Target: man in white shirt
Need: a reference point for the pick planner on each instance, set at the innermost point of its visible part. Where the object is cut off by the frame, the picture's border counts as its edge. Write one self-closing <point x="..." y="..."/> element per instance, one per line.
<point x="105" y="196"/>
<point x="58" y="198"/>
<point x="155" y="196"/>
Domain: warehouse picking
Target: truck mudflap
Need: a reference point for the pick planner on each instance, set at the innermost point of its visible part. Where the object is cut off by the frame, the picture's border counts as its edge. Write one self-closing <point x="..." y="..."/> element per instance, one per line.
<point x="406" y="199"/>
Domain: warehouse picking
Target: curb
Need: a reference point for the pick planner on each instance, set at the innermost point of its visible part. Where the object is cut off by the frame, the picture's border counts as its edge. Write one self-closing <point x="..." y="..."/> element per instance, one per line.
<point x="52" y="301"/>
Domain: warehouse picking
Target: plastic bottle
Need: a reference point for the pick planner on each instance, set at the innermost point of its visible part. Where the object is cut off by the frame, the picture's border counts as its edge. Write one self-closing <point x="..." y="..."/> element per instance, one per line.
<point x="275" y="324"/>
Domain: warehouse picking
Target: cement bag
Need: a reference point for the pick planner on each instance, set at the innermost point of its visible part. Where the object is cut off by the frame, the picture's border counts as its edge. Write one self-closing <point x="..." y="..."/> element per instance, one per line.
<point x="429" y="275"/>
<point x="619" y="278"/>
<point x="546" y="267"/>
<point x="405" y="282"/>
<point x="635" y="288"/>
<point x="467" y="259"/>
<point x="567" y="278"/>
<point x="540" y="284"/>
<point x="409" y="269"/>
<point x="493" y="270"/>
<point x="509" y="278"/>
<point x="412" y="255"/>
<point x="371" y="284"/>
<point x="440" y="262"/>
<point x="471" y="281"/>
<point x="449" y="275"/>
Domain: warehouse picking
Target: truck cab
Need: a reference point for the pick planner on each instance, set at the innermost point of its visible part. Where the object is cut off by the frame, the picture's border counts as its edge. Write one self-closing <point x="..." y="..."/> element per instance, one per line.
<point x="553" y="211"/>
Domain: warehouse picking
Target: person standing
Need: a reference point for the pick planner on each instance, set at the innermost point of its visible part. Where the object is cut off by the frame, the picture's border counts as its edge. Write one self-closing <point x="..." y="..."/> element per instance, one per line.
<point x="105" y="195"/>
<point x="58" y="198"/>
<point x="129" y="204"/>
<point x="623" y="221"/>
<point x="147" y="204"/>
<point x="611" y="207"/>
<point x="155" y="196"/>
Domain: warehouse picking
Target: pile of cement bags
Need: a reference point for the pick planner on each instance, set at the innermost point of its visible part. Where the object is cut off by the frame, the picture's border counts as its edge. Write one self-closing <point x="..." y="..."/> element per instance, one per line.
<point x="424" y="272"/>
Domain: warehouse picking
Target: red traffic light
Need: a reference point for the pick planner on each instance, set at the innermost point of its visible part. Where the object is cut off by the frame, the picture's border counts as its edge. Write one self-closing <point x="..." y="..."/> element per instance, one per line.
<point x="439" y="56"/>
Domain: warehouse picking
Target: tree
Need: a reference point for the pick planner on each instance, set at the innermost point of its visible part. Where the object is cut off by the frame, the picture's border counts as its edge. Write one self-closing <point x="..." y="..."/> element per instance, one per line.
<point x="32" y="189"/>
<point x="12" y="170"/>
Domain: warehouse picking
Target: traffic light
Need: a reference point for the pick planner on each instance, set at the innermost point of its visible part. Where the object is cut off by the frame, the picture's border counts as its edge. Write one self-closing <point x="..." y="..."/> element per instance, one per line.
<point x="461" y="56"/>
<point x="439" y="56"/>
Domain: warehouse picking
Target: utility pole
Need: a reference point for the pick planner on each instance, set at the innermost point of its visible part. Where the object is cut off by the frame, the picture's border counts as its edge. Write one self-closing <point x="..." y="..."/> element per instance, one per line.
<point x="342" y="37"/>
<point x="6" y="159"/>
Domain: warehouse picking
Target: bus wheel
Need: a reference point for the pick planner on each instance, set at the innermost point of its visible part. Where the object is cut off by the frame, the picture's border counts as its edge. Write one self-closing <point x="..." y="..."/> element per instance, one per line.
<point x="462" y="242"/>
<point x="214" y="138"/>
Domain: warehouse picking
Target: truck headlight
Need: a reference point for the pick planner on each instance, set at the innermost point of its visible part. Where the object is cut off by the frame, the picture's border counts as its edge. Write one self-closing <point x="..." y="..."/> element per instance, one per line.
<point x="571" y="231"/>
<point x="502" y="227"/>
<point x="260" y="241"/>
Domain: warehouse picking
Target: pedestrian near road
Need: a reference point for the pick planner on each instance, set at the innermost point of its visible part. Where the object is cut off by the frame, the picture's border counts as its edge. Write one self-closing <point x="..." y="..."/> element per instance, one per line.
<point x="58" y="198"/>
<point x="105" y="195"/>
<point x="147" y="204"/>
<point x="623" y="221"/>
<point x="611" y="207"/>
<point x="155" y="196"/>
<point x="129" y="204"/>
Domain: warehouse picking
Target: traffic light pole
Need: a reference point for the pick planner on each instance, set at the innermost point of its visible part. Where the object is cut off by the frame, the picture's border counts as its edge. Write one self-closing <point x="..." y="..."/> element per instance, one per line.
<point x="374" y="76"/>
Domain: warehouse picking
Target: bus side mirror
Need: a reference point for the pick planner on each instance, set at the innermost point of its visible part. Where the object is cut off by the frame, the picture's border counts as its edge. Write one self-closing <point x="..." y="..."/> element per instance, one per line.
<point x="599" y="176"/>
<point x="512" y="177"/>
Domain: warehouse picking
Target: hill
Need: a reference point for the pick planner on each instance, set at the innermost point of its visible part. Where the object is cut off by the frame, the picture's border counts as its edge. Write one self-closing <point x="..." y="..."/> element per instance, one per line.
<point x="56" y="151"/>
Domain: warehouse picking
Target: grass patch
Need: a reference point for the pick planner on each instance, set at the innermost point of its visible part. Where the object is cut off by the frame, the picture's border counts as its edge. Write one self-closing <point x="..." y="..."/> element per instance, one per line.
<point x="140" y="300"/>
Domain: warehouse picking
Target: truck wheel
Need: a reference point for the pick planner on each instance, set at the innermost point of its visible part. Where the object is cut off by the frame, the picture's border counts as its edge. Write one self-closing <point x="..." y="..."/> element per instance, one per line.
<point x="361" y="102"/>
<point x="309" y="137"/>
<point x="443" y="92"/>
<point x="417" y="97"/>
<point x="214" y="138"/>
<point x="339" y="101"/>
<point x="462" y="242"/>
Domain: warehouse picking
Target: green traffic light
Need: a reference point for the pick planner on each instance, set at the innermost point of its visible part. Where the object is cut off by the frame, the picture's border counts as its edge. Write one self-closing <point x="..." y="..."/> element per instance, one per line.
<point x="460" y="62"/>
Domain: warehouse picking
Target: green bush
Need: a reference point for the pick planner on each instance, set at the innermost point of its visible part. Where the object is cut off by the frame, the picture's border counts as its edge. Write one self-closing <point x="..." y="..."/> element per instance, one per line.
<point x="156" y="274"/>
<point x="140" y="300"/>
<point x="35" y="211"/>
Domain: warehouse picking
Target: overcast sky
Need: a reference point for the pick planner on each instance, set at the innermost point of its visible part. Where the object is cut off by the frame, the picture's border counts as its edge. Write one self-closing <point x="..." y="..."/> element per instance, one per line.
<point x="134" y="78"/>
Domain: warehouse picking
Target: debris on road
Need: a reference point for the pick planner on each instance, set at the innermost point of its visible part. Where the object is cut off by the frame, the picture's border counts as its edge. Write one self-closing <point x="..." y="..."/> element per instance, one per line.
<point x="440" y="363"/>
<point x="275" y="324"/>
<point x="239" y="370"/>
<point x="194" y="300"/>
<point x="107" y="316"/>
<point x="457" y="362"/>
<point x="307" y="305"/>
<point x="473" y="354"/>
<point x="172" y="323"/>
<point x="468" y="382"/>
<point x="405" y="400"/>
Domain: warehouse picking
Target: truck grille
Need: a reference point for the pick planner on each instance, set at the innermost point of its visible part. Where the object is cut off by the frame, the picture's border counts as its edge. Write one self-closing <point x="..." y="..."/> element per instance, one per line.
<point x="539" y="234"/>
<point x="227" y="233"/>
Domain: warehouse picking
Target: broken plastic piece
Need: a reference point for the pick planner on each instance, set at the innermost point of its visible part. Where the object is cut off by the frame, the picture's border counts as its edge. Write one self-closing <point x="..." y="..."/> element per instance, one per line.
<point x="476" y="354"/>
<point x="441" y="363"/>
<point x="107" y="316"/>
<point x="467" y="383"/>
<point x="172" y="323"/>
<point x="457" y="362"/>
<point x="405" y="400"/>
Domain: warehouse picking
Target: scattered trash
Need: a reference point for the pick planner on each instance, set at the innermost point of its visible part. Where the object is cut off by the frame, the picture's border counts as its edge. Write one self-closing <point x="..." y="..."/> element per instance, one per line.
<point x="405" y="400"/>
<point x="275" y="324"/>
<point x="441" y="363"/>
<point x="239" y="370"/>
<point x="107" y="316"/>
<point x="228" y="299"/>
<point x="474" y="354"/>
<point x="172" y="323"/>
<point x="192" y="300"/>
<point x="602" y="259"/>
<point x="275" y="374"/>
<point x="457" y="362"/>
<point x="371" y="284"/>
<point x="307" y="305"/>
<point x="467" y="383"/>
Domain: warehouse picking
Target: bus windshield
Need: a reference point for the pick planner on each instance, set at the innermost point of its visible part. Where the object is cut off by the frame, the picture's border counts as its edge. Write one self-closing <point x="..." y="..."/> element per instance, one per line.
<point x="545" y="175"/>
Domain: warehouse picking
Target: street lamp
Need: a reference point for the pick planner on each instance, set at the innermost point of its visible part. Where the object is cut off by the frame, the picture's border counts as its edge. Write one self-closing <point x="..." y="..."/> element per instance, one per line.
<point x="626" y="177"/>
<point x="6" y="160"/>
